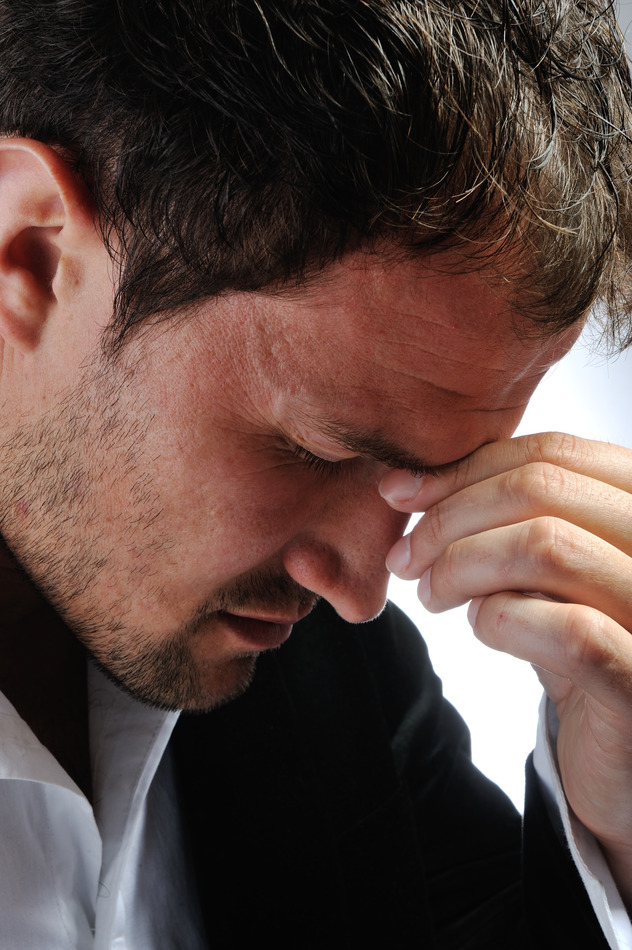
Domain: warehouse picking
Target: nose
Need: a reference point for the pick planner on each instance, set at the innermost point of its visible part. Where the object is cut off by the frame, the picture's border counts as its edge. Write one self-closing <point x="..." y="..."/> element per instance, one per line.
<point x="340" y="554"/>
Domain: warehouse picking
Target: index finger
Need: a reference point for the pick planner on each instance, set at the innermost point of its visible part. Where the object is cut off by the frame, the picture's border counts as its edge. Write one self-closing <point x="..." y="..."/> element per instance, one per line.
<point x="607" y="463"/>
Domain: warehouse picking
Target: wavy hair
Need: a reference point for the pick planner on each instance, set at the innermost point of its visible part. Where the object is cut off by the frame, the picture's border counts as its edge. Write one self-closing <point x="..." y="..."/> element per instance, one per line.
<point x="246" y="144"/>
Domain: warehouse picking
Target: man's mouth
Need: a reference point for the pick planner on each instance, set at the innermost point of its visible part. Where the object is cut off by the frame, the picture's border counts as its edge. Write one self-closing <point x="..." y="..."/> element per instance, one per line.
<point x="261" y="631"/>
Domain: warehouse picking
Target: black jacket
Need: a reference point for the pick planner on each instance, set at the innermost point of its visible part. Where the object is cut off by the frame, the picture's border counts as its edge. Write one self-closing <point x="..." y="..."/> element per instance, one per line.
<point x="335" y="805"/>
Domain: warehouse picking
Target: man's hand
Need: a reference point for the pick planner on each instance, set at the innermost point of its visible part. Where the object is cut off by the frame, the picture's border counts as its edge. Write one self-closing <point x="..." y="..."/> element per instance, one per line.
<point x="537" y="532"/>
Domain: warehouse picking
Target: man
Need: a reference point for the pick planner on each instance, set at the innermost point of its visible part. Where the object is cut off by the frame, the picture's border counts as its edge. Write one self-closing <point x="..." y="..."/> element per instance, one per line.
<point x="262" y="266"/>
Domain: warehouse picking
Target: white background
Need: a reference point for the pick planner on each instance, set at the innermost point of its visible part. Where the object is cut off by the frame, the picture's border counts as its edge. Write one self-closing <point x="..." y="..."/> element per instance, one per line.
<point x="497" y="695"/>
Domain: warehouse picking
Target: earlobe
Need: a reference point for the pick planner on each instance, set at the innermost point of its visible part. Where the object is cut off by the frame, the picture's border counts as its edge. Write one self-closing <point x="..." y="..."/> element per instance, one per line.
<point x="43" y="211"/>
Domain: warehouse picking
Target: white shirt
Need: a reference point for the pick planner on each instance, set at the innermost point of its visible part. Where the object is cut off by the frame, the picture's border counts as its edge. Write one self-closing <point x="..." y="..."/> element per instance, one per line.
<point x="584" y="849"/>
<point x="117" y="877"/>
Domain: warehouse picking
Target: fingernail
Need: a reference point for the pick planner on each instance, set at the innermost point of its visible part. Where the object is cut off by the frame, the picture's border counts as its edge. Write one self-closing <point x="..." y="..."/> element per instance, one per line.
<point x="423" y="587"/>
<point x="472" y="610"/>
<point x="399" y="486"/>
<point x="398" y="557"/>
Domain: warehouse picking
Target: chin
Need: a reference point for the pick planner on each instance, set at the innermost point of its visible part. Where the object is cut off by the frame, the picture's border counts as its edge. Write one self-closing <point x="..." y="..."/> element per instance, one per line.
<point x="182" y="686"/>
<point x="228" y="682"/>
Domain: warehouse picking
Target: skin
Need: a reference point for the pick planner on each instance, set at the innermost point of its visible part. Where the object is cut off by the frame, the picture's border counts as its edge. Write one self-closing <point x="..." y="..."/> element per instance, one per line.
<point x="159" y="498"/>
<point x="162" y="491"/>
<point x="536" y="533"/>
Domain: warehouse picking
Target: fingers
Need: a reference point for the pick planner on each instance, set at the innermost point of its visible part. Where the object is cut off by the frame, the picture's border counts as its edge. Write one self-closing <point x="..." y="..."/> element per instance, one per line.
<point x="546" y="514"/>
<point x="542" y="515"/>
<point x="531" y="491"/>
<point x="573" y="645"/>
<point x="606" y="463"/>
<point x="545" y="555"/>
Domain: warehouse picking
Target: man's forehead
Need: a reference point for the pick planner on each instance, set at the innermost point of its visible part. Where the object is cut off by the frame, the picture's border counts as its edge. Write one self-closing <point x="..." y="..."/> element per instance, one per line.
<point x="430" y="299"/>
<point x="392" y="381"/>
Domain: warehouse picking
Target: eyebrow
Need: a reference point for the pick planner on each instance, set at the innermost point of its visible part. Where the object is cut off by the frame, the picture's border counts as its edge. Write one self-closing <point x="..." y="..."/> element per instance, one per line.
<point x="377" y="446"/>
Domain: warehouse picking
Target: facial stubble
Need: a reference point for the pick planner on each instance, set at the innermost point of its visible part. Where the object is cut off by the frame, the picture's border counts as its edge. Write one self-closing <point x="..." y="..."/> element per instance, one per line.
<point x="57" y="473"/>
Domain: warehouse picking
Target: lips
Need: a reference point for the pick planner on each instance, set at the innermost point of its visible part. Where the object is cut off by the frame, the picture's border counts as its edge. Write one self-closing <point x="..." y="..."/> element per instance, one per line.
<point x="261" y="633"/>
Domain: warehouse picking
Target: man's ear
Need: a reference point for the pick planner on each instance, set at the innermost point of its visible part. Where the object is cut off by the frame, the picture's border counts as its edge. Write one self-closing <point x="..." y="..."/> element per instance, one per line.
<point x="45" y="221"/>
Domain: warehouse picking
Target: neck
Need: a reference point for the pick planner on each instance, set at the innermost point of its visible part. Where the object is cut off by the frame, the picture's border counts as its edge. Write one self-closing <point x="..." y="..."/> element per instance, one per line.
<point x="42" y="671"/>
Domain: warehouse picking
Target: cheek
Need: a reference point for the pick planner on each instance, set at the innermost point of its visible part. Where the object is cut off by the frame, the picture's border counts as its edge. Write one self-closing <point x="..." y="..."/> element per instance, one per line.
<point x="234" y="520"/>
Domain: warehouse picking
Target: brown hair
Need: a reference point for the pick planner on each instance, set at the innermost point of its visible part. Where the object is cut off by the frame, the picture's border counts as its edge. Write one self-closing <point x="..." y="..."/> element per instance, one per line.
<point x="245" y="144"/>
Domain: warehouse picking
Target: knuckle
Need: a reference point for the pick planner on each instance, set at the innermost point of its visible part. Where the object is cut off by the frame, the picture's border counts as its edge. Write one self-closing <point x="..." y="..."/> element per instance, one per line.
<point x="537" y="484"/>
<point x="585" y="641"/>
<point x="559" y="448"/>
<point x="549" y="545"/>
<point x="434" y="524"/>
<point x="446" y="570"/>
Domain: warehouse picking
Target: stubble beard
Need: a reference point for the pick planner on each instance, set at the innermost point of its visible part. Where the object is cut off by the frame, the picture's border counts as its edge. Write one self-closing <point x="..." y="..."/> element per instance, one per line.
<point x="56" y="473"/>
<point x="165" y="676"/>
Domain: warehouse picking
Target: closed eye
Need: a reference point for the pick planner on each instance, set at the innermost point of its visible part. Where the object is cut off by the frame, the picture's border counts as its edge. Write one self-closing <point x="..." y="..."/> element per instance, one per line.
<point x="315" y="462"/>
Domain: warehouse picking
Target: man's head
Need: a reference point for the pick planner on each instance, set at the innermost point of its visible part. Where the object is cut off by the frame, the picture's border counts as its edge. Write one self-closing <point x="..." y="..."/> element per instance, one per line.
<point x="333" y="245"/>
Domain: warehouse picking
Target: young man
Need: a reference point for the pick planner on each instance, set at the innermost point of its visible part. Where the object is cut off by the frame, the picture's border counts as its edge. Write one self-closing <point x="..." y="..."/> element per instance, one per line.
<point x="262" y="266"/>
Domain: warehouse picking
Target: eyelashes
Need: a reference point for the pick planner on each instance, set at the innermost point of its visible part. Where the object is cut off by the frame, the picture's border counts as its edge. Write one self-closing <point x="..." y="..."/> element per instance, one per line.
<point x="315" y="463"/>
